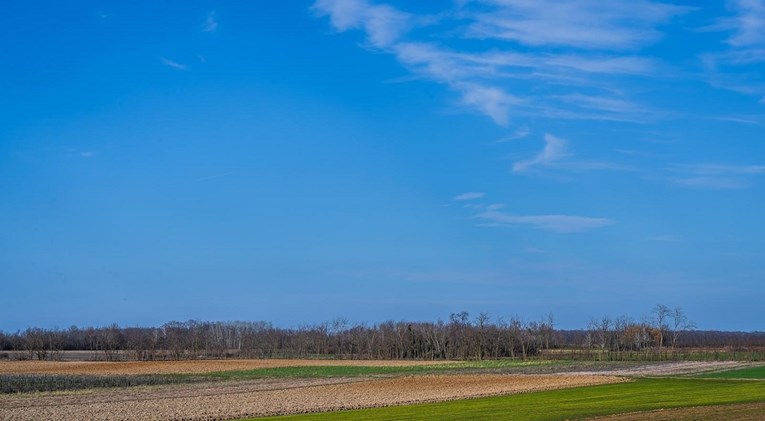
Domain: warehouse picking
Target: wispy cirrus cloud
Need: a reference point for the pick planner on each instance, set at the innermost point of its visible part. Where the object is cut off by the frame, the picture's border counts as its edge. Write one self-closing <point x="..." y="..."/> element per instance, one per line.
<point x="382" y="24"/>
<point x="756" y="120"/>
<point x="464" y="74"/>
<point x="555" y="155"/>
<point x="574" y="40"/>
<point x="173" y="64"/>
<point x="489" y="100"/>
<point x="520" y="133"/>
<point x="738" y="68"/>
<point x="713" y="183"/>
<point x="722" y="169"/>
<point x="616" y="108"/>
<point x="384" y="27"/>
<point x="714" y="176"/>
<point x="626" y="65"/>
<point x="469" y="196"/>
<point x="587" y="24"/>
<point x="747" y="25"/>
<point x="562" y="224"/>
<point x="211" y="23"/>
<point x="554" y="150"/>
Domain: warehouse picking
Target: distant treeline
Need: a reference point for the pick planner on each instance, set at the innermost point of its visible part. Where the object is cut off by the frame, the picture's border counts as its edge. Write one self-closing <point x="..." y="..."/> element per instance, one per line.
<point x="665" y="333"/>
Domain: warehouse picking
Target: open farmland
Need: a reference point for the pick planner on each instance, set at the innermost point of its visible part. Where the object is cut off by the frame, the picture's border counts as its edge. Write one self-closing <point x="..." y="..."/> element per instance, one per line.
<point x="643" y="399"/>
<point x="203" y="390"/>
<point x="226" y="400"/>
<point x="382" y="210"/>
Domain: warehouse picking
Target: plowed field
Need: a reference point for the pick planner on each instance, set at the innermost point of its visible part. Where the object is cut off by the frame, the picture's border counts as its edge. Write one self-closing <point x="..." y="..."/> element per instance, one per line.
<point x="270" y="397"/>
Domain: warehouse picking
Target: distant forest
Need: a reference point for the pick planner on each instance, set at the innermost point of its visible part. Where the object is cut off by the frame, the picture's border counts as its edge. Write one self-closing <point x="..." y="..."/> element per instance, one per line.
<point x="666" y="334"/>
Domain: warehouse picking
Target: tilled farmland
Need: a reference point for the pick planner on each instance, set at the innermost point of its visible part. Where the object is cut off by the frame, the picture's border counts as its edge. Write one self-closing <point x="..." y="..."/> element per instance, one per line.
<point x="229" y="400"/>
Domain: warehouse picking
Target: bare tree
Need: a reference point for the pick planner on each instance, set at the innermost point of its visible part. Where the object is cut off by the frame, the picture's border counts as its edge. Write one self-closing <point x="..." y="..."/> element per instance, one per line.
<point x="481" y="321"/>
<point x="458" y="326"/>
<point x="661" y="314"/>
<point x="110" y="338"/>
<point x="463" y="337"/>
<point x="601" y="331"/>
<point x="547" y="326"/>
<point x="680" y="323"/>
<point x="516" y="336"/>
<point x="35" y="343"/>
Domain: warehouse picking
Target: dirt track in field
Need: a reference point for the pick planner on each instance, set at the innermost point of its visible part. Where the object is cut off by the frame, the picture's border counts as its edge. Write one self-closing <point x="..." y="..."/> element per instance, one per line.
<point x="182" y="367"/>
<point x="272" y="397"/>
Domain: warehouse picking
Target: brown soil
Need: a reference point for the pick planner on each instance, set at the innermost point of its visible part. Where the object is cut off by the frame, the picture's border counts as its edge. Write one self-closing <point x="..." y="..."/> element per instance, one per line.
<point x="737" y="412"/>
<point x="272" y="397"/>
<point x="185" y="367"/>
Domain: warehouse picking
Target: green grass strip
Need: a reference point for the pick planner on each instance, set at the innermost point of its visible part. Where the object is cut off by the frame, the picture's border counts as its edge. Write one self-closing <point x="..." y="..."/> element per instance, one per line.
<point x="640" y="395"/>
<point x="752" y="373"/>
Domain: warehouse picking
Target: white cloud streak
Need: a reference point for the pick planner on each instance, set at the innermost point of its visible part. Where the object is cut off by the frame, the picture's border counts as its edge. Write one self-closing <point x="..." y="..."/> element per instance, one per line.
<point x="490" y="100"/>
<point x="383" y="24"/>
<point x="713" y="183"/>
<point x="748" y="24"/>
<point x="210" y="24"/>
<point x="554" y="151"/>
<point x="555" y="155"/>
<point x="173" y="64"/>
<point x="715" y="176"/>
<point x="611" y="105"/>
<point x="483" y="79"/>
<point x="586" y="24"/>
<point x="521" y="133"/>
<point x="734" y="69"/>
<point x="562" y="224"/>
<point x="469" y="196"/>
<point x="722" y="169"/>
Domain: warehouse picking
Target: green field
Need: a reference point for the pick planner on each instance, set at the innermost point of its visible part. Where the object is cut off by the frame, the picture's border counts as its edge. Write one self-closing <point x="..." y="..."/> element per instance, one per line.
<point x="744" y="373"/>
<point x="640" y="395"/>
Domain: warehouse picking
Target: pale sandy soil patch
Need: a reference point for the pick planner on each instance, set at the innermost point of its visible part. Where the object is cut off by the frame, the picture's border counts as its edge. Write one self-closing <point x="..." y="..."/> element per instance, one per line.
<point x="258" y="398"/>
<point x="671" y="368"/>
<point x="736" y="412"/>
<point x="182" y="367"/>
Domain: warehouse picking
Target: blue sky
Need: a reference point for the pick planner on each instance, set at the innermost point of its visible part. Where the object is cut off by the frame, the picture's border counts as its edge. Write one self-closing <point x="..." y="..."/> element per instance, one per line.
<point x="301" y="161"/>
